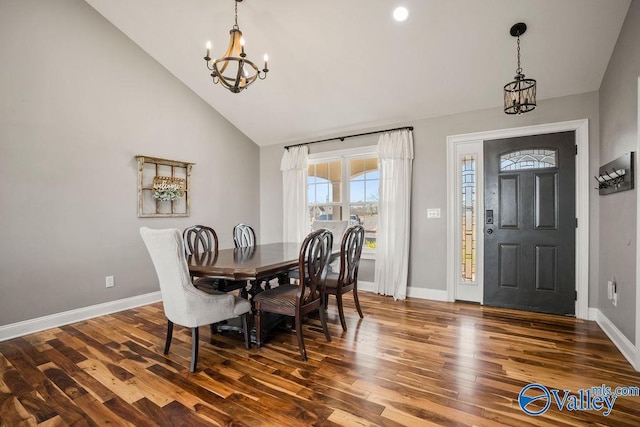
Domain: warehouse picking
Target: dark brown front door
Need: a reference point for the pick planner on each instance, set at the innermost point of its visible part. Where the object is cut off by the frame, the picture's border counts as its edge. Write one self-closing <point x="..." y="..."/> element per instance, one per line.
<point x="529" y="231"/>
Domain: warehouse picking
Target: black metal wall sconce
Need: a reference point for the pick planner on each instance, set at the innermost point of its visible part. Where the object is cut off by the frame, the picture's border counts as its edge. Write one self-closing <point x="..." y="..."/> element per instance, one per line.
<point x="616" y="175"/>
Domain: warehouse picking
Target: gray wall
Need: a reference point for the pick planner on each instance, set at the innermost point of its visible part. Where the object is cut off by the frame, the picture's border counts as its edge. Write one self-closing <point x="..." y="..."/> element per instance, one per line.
<point x="427" y="264"/>
<point x="79" y="101"/>
<point x="618" y="135"/>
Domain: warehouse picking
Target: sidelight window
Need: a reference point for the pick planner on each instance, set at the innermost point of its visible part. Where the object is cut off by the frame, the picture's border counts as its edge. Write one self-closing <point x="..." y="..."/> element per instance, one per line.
<point x="468" y="220"/>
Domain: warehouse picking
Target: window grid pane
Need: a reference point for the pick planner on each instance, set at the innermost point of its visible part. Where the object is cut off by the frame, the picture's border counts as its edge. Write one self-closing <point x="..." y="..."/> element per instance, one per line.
<point x="363" y="197"/>
<point x="324" y="183"/>
<point x="468" y="220"/>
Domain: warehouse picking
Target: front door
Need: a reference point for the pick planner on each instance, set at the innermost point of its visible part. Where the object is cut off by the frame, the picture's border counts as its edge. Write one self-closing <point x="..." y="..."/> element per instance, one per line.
<point x="529" y="231"/>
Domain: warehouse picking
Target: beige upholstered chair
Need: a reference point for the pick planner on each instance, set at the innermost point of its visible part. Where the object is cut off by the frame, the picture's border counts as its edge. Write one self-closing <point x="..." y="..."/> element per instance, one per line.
<point x="337" y="228"/>
<point x="346" y="279"/>
<point x="183" y="303"/>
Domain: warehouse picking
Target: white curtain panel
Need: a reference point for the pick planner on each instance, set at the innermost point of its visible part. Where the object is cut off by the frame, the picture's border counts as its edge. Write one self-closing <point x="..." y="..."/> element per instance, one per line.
<point x="294" y="194"/>
<point x="395" y="155"/>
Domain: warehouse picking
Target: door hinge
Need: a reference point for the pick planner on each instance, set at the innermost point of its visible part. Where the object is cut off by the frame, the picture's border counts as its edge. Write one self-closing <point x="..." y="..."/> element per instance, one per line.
<point x="576" y="296"/>
<point x="576" y="222"/>
<point x="576" y="149"/>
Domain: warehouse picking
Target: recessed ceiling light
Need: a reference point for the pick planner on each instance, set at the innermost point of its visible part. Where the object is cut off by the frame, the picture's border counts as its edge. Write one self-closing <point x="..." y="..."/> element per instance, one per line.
<point x="400" y="14"/>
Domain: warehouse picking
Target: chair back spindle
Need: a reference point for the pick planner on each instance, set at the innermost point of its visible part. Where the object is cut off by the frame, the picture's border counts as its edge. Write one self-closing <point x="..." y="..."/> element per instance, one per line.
<point x="313" y="260"/>
<point x="350" y="251"/>
<point x="244" y="236"/>
<point x="200" y="238"/>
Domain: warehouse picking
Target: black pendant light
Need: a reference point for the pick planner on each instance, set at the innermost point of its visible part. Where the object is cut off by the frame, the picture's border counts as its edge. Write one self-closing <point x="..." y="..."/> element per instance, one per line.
<point x="520" y="94"/>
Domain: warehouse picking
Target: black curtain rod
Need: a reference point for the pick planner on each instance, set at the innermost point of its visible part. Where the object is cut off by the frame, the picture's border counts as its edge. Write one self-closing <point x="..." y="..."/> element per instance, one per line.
<point x="342" y="138"/>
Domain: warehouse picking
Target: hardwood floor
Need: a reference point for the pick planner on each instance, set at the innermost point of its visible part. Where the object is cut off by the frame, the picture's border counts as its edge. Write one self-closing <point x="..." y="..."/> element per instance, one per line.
<point x="411" y="362"/>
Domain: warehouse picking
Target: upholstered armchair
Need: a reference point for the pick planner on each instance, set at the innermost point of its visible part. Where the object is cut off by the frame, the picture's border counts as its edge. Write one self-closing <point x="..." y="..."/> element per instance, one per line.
<point x="183" y="303"/>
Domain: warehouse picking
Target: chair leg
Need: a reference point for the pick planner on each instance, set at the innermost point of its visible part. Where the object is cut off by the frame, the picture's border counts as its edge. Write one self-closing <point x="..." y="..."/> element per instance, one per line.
<point x="245" y="331"/>
<point x="323" y="320"/>
<point x="258" y="322"/>
<point x="298" y="326"/>
<point x="167" y="344"/>
<point x="357" y="301"/>
<point x="195" y="336"/>
<point x="341" y="311"/>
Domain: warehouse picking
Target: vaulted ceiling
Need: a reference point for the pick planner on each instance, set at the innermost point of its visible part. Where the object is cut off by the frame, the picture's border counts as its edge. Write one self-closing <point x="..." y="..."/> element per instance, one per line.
<point x="346" y="65"/>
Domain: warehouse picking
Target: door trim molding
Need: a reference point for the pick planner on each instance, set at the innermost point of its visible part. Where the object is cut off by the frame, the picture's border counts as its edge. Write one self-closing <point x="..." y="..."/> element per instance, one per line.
<point x="581" y="128"/>
<point x="637" y="341"/>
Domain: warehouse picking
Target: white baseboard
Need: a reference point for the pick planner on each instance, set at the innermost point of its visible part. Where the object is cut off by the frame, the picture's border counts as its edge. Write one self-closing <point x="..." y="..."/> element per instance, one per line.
<point x="412" y="292"/>
<point x="625" y="346"/>
<point x="59" y="319"/>
<point x="425" y="293"/>
<point x="366" y="286"/>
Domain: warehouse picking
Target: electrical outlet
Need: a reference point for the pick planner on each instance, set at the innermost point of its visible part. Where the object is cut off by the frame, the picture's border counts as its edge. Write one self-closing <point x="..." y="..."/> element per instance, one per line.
<point x="610" y="290"/>
<point x="615" y="299"/>
<point x="109" y="282"/>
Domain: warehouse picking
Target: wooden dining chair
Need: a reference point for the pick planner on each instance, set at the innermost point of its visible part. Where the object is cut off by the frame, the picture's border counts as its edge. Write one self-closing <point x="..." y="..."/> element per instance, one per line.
<point x="199" y="239"/>
<point x="244" y="236"/>
<point x="184" y="304"/>
<point x="304" y="297"/>
<point x="346" y="280"/>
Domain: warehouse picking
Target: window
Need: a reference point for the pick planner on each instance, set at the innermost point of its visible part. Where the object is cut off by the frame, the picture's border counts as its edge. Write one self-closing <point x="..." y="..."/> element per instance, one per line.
<point x="353" y="198"/>
<point x="536" y="158"/>
<point x="468" y="220"/>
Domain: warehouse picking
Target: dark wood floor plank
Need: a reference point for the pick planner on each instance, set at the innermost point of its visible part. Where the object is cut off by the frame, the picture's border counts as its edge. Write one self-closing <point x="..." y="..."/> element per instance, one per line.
<point x="128" y="412"/>
<point x="181" y="416"/>
<point x="206" y="396"/>
<point x="12" y="413"/>
<point x="89" y="383"/>
<point x="412" y="362"/>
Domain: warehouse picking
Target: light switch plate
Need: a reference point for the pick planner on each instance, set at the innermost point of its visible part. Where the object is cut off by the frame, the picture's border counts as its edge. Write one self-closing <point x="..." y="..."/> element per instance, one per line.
<point x="433" y="213"/>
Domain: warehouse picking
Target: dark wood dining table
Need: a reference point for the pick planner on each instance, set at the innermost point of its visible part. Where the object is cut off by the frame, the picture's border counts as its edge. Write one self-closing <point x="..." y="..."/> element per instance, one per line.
<point x="254" y="263"/>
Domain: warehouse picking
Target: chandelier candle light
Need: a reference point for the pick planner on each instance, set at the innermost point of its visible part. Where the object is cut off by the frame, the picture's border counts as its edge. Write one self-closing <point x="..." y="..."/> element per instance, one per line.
<point x="234" y="70"/>
<point x="520" y="94"/>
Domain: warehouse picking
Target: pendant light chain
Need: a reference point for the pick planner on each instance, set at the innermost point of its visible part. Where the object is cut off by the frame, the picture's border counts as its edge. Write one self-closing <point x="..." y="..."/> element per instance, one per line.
<point x="519" y="69"/>
<point x="236" y="24"/>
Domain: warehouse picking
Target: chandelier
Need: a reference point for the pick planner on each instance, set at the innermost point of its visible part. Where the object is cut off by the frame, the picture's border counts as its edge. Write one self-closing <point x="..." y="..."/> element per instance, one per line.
<point x="234" y="70"/>
<point x="520" y="94"/>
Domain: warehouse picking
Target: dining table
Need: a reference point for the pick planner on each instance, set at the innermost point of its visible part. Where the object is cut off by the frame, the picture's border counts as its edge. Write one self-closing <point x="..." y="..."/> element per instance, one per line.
<point x="254" y="263"/>
<point x="257" y="264"/>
